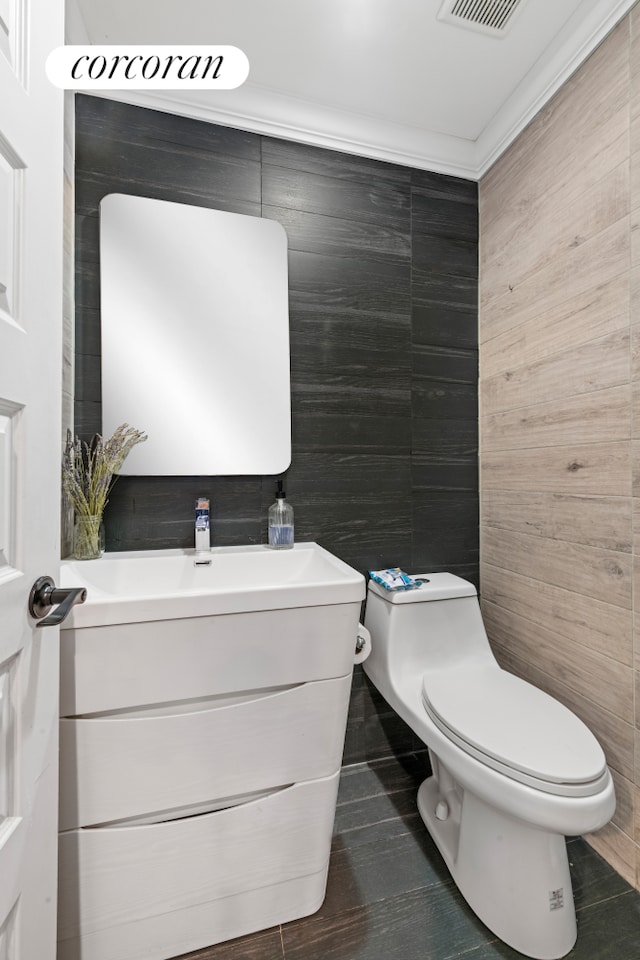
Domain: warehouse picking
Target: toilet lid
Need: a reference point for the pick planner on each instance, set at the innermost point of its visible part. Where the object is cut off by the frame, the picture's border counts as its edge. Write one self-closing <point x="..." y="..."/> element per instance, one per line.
<point x="505" y="718"/>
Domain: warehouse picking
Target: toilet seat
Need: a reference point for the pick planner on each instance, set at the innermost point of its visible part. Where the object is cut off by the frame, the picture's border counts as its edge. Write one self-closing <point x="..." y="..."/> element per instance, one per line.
<point x="515" y="728"/>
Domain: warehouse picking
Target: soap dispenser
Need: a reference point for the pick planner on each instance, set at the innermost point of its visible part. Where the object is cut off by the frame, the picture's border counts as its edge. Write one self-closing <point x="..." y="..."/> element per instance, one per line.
<point x="281" y="521"/>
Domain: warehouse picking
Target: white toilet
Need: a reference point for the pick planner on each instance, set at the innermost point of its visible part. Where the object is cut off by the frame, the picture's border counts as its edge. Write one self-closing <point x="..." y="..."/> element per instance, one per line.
<point x="514" y="771"/>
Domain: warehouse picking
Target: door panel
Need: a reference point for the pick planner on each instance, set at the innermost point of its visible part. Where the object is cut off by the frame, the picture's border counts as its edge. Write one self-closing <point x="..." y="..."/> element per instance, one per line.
<point x="31" y="127"/>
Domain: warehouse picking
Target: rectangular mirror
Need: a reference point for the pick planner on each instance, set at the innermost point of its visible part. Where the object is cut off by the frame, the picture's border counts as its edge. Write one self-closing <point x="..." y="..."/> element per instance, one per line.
<point x="195" y="337"/>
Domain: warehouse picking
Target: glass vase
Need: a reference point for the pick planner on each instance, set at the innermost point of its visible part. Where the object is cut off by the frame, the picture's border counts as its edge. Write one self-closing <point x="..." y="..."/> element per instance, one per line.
<point x="88" y="538"/>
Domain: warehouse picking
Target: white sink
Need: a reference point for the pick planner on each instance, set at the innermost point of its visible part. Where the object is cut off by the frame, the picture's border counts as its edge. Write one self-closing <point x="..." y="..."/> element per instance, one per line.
<point x="135" y="586"/>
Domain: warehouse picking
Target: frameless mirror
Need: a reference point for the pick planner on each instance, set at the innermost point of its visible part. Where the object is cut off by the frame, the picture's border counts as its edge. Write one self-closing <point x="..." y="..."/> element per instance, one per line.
<point x="195" y="337"/>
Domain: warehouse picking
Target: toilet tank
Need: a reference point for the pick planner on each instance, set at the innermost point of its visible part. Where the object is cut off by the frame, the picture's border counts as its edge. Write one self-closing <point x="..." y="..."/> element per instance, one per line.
<point x="437" y="624"/>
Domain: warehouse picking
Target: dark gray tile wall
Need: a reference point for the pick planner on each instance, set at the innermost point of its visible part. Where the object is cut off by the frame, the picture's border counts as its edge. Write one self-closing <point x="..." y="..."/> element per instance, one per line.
<point x="383" y="325"/>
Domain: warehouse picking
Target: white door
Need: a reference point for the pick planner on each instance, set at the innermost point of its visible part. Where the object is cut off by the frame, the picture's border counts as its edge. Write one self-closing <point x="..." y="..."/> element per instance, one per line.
<point x="31" y="128"/>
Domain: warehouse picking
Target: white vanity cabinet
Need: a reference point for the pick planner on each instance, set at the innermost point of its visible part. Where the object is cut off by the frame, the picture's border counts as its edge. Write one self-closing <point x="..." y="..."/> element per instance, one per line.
<point x="199" y="766"/>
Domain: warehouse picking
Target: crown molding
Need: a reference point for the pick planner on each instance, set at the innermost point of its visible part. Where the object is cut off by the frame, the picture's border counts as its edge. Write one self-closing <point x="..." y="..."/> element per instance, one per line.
<point x="269" y="112"/>
<point x="570" y="49"/>
<point x="275" y="114"/>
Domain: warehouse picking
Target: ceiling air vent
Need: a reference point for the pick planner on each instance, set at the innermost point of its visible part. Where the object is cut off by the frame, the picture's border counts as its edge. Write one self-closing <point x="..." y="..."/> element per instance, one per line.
<point x="491" y="17"/>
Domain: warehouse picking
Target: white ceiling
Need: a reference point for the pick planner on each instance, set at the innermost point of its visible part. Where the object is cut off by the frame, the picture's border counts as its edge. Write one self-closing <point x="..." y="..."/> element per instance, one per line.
<point x="383" y="78"/>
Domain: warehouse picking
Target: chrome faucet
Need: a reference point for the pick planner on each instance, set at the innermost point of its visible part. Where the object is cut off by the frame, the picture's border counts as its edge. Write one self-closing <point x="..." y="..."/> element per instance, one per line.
<point x="202" y="530"/>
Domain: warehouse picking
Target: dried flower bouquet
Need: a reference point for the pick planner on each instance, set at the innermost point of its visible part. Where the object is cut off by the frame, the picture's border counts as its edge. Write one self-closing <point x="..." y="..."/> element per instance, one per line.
<point x="88" y="471"/>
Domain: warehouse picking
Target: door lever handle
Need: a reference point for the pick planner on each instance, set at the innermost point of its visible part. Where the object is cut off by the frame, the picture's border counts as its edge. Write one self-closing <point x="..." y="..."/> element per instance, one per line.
<point x="44" y="595"/>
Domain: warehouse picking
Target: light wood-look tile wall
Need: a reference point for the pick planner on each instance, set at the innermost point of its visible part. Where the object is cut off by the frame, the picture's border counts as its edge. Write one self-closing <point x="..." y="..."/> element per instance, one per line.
<point x="560" y="411"/>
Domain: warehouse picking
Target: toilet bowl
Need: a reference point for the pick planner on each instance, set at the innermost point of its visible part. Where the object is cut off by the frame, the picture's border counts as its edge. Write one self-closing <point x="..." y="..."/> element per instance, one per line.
<point x="513" y="770"/>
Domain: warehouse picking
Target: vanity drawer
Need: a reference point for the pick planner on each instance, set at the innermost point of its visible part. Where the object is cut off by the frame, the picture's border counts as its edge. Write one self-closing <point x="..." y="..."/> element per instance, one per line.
<point x="116" y="876"/>
<point x="123" y="766"/>
<point x="197" y="925"/>
<point x="126" y="665"/>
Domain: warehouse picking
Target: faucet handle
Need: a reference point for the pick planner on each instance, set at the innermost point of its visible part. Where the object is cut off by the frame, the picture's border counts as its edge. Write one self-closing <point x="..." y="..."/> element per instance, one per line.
<point x="202" y="510"/>
<point x="202" y="531"/>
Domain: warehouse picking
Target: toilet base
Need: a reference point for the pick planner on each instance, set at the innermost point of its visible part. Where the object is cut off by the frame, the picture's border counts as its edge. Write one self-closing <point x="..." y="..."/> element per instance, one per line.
<point x="514" y="876"/>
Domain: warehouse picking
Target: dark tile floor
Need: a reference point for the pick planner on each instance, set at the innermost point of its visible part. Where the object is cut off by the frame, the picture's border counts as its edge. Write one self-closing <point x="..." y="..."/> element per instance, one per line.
<point x="390" y="897"/>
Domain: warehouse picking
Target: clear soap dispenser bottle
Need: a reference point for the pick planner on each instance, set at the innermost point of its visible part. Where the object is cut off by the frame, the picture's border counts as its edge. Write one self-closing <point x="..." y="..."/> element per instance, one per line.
<point x="280" y="521"/>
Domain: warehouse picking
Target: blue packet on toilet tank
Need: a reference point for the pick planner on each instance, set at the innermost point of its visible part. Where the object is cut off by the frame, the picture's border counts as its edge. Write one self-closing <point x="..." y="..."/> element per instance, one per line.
<point x="394" y="579"/>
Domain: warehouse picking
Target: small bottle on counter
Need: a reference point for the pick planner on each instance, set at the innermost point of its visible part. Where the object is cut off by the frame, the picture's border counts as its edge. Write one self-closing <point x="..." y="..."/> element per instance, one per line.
<point x="280" y="521"/>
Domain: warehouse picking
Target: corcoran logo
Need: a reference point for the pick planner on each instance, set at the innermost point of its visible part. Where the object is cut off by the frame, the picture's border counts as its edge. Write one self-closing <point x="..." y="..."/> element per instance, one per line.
<point x="147" y="67"/>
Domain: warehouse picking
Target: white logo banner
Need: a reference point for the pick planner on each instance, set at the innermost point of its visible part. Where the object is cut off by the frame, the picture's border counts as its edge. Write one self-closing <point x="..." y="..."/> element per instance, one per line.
<point x="147" y="67"/>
